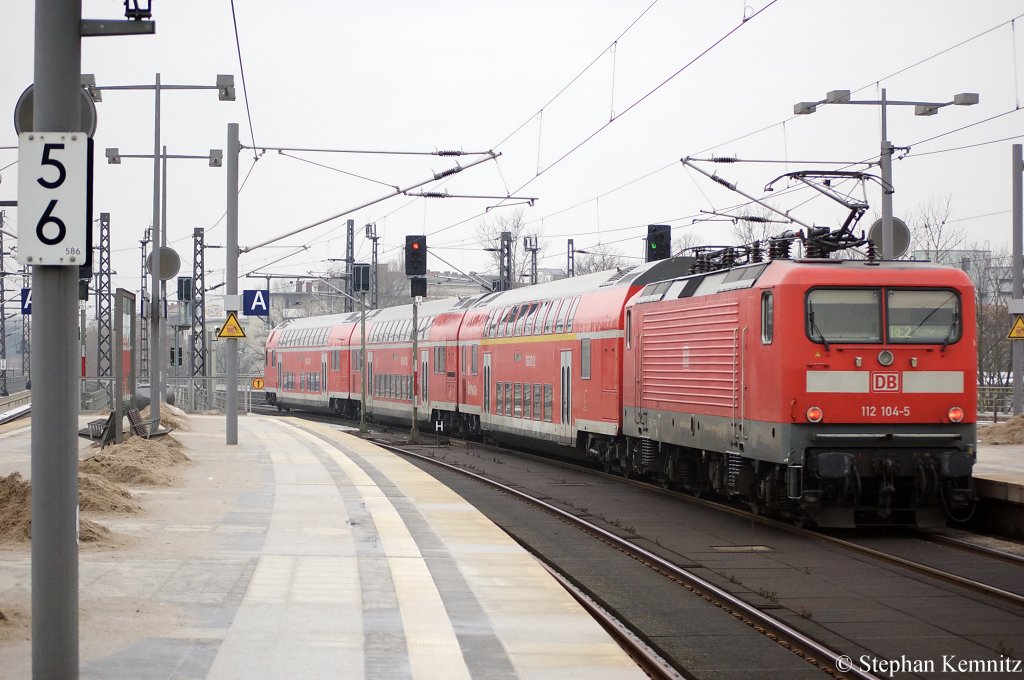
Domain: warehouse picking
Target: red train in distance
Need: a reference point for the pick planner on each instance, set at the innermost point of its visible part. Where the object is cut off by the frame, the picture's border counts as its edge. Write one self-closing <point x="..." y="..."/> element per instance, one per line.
<point x="837" y="392"/>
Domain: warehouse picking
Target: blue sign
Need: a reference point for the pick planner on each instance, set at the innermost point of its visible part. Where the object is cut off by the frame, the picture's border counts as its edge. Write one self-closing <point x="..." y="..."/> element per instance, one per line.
<point x="256" y="302"/>
<point x="26" y="301"/>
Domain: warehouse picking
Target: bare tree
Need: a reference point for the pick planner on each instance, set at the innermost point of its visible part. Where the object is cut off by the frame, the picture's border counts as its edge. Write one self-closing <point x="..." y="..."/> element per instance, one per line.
<point x="489" y="233"/>
<point x="931" y="231"/>
<point x="757" y="223"/>
<point x="599" y="258"/>
<point x="686" y="241"/>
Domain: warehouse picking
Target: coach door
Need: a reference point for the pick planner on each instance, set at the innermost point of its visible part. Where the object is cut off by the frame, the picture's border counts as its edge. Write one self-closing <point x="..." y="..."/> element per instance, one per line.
<point x="323" y="373"/>
<point x="424" y="377"/>
<point x="487" y="382"/>
<point x="367" y="379"/>
<point x="566" y="391"/>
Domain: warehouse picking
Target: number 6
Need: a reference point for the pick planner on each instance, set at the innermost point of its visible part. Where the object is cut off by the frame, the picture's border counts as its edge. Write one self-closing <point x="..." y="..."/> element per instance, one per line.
<point x="48" y="217"/>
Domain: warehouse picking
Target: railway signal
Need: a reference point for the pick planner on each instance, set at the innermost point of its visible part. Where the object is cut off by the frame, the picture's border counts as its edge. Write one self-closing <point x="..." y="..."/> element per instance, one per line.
<point x="659" y="242"/>
<point x="415" y="255"/>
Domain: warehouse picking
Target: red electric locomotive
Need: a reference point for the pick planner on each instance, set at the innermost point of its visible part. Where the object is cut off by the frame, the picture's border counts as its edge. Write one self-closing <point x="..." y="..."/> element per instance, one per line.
<point x="839" y="392"/>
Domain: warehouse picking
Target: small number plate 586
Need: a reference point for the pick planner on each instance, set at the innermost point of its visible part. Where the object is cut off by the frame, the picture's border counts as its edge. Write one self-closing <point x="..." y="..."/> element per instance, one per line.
<point x="53" y="189"/>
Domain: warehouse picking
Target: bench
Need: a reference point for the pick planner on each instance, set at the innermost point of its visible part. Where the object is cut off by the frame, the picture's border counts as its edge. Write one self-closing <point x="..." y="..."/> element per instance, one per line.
<point x="140" y="427"/>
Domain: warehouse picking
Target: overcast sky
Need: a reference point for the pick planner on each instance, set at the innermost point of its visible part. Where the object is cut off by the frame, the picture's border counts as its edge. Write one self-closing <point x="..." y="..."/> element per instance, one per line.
<point x="600" y="153"/>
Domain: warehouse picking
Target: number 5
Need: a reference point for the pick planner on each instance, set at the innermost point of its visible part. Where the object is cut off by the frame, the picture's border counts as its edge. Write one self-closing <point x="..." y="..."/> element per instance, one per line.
<point x="46" y="160"/>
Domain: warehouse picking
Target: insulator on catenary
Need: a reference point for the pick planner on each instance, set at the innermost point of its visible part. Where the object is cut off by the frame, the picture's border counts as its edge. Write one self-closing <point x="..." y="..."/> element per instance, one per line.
<point x="724" y="159"/>
<point x="724" y="183"/>
<point x="448" y="153"/>
<point x="447" y="173"/>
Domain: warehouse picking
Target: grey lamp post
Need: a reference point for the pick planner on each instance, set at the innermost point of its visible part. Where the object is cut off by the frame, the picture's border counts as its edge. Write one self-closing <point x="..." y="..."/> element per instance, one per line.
<point x="225" y="86"/>
<point x="215" y="159"/>
<point x="885" y="159"/>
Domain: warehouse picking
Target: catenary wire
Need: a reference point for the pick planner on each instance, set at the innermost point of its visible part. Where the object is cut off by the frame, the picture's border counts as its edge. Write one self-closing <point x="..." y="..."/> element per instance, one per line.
<point x="241" y="68"/>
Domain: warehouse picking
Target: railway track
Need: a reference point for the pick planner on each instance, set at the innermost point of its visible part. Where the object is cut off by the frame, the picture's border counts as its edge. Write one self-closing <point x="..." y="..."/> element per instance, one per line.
<point x="813" y="652"/>
<point x="1010" y="595"/>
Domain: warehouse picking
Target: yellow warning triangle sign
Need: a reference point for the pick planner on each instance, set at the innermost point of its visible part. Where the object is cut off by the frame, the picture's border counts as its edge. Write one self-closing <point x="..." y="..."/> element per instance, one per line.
<point x="1017" y="331"/>
<point x="233" y="329"/>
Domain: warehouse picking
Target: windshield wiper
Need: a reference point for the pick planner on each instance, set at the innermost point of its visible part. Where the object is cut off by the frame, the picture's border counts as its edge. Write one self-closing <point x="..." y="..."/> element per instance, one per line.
<point x="952" y="327"/>
<point x="815" y="329"/>
<point x="929" y="315"/>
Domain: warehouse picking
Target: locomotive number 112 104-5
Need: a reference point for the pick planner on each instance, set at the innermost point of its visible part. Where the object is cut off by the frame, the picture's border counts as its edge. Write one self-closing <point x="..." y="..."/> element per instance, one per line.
<point x="885" y="411"/>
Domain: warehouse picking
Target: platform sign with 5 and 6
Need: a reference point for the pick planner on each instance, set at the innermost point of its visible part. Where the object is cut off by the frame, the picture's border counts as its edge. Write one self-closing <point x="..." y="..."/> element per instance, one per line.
<point x="53" y="189"/>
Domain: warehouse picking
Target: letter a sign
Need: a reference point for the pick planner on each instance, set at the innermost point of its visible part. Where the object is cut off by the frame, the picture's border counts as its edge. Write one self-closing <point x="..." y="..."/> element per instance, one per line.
<point x="256" y="302"/>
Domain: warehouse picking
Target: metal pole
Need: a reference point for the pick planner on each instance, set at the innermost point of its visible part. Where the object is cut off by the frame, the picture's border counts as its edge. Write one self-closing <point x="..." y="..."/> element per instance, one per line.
<point x="362" y="361"/>
<point x="231" y="402"/>
<point x="155" y="302"/>
<point x="570" y="266"/>
<point x="1017" y="349"/>
<point x="887" y="190"/>
<point x="57" y="106"/>
<point x="3" y="315"/>
<point x="414" y="434"/>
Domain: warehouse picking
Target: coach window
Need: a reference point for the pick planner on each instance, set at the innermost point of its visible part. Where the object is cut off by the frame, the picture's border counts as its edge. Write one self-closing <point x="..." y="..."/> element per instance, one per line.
<point x="547" y="403"/>
<point x="572" y="314"/>
<point x="844" y="315"/>
<point x="923" y="316"/>
<point x="465" y="352"/>
<point x="473" y="360"/>
<point x="499" y="394"/>
<point x="520" y="319"/>
<point x="508" y="399"/>
<point x="537" y="403"/>
<point x="585" y="359"/>
<point x="629" y="326"/>
<point x="552" y="312"/>
<point x="563" y="312"/>
<point x="538" y="319"/>
<point x="767" y="318"/>
<point x="500" y="326"/>
<point x="509" y="321"/>
<point x="518" y="413"/>
<point x="528" y="401"/>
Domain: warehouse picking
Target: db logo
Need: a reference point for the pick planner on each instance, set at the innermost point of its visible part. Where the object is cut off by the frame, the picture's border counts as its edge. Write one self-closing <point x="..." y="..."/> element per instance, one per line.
<point x="885" y="382"/>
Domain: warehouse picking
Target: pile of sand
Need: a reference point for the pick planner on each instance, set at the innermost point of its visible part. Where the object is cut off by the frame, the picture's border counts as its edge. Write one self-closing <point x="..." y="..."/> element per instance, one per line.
<point x="137" y="461"/>
<point x="97" y="494"/>
<point x="1010" y="432"/>
<point x="16" y="508"/>
<point x="171" y="417"/>
<point x="15" y="623"/>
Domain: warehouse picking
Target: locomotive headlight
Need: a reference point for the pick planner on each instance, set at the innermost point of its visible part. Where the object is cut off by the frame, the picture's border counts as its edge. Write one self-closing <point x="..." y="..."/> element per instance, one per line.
<point x="956" y="414"/>
<point x="885" y="357"/>
<point x="815" y="414"/>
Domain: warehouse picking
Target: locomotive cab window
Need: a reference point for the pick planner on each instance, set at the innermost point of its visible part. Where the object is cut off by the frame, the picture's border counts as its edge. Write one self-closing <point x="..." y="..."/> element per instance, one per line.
<point x="844" y="315"/>
<point x="923" y="316"/>
<point x="767" y="318"/>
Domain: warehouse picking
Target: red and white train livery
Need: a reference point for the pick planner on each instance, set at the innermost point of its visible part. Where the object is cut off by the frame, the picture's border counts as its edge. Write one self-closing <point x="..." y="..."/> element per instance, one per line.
<point x="838" y="391"/>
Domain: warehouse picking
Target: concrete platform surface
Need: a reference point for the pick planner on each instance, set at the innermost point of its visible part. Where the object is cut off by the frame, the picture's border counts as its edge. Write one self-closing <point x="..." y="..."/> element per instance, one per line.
<point x="999" y="472"/>
<point x="305" y="552"/>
